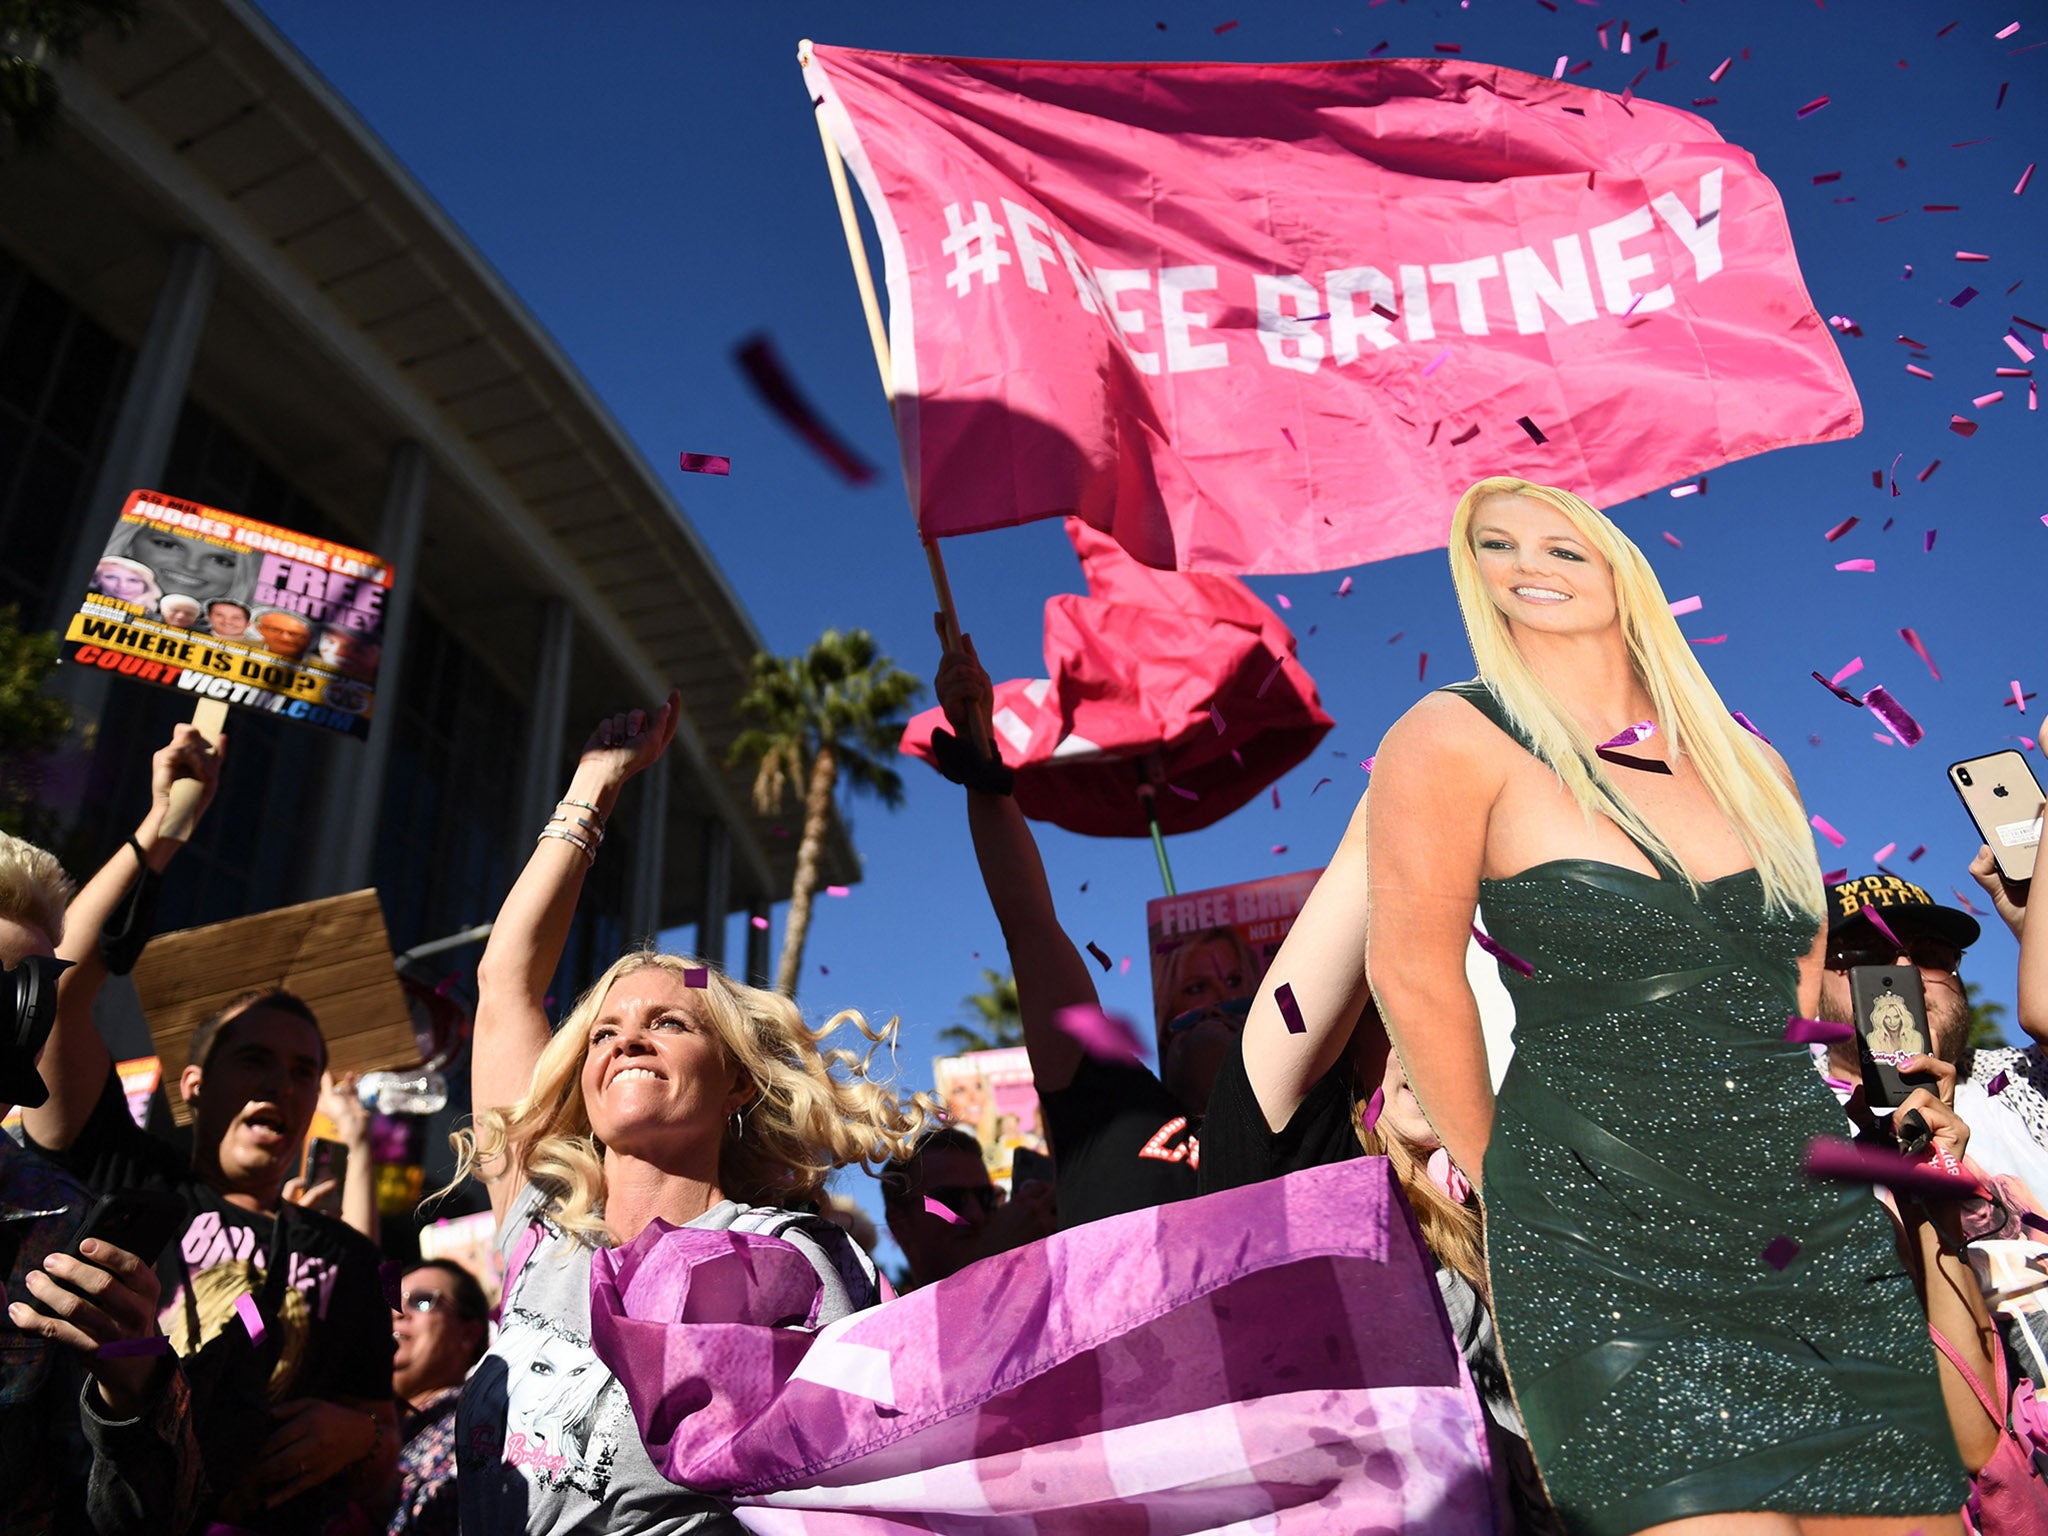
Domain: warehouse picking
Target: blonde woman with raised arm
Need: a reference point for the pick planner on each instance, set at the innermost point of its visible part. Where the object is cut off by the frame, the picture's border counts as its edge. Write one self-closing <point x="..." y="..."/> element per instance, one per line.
<point x="667" y="1093"/>
<point x="1698" y="1338"/>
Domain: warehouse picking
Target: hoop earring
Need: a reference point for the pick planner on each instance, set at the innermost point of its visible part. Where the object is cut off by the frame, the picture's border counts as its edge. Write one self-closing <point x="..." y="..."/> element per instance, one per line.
<point x="739" y="1123"/>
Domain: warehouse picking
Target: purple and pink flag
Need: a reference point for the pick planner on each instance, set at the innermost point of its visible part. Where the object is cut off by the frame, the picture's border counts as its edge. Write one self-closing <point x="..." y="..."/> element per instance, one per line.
<point x="1274" y="1358"/>
<point x="1263" y="318"/>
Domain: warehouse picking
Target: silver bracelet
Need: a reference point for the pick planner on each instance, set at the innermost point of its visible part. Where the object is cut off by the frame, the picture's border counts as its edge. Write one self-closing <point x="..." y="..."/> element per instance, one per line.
<point x="582" y="844"/>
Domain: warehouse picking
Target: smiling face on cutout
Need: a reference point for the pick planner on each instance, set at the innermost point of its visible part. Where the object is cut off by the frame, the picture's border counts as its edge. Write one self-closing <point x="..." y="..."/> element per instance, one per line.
<point x="186" y="564"/>
<point x="1541" y="571"/>
<point x="656" y="1081"/>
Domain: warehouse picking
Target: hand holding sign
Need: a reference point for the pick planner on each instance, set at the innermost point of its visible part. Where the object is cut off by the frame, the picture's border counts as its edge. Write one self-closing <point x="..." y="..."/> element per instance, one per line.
<point x="184" y="775"/>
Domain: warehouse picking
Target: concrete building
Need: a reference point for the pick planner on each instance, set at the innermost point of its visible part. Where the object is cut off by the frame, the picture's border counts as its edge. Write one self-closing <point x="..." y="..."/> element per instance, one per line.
<point x="215" y="282"/>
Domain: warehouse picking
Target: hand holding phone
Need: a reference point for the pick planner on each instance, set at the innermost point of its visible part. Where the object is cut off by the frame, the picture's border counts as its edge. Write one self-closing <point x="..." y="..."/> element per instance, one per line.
<point x="2004" y="800"/>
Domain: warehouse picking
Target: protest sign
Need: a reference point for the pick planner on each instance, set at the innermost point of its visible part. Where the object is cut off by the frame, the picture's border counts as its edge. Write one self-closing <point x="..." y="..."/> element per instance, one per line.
<point x="333" y="954"/>
<point x="467" y="1240"/>
<point x="1261" y="318"/>
<point x="225" y="608"/>
<point x="991" y="1096"/>
<point x="1210" y="949"/>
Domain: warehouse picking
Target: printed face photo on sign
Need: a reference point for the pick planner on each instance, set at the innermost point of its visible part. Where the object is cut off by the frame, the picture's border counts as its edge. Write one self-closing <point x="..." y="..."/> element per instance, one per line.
<point x="182" y="563"/>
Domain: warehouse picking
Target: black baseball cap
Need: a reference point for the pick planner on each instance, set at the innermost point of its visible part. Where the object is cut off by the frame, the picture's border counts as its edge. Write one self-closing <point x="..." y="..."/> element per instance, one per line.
<point x="1897" y="900"/>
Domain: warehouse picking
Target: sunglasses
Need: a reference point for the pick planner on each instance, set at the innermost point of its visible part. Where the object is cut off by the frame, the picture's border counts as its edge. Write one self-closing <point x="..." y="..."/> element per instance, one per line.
<point x="1929" y="954"/>
<point x="1233" y="1008"/>
<point x="423" y="1301"/>
<point x="958" y="1197"/>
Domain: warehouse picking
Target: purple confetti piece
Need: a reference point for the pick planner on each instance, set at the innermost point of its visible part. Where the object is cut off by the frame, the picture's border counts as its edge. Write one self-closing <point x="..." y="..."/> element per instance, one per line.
<point x="1817" y="1031"/>
<point x="1279" y="848"/>
<point x="1374" y="1108"/>
<point x="1877" y="921"/>
<point x="1997" y="1085"/>
<point x="1320" y="783"/>
<point x="389" y="1275"/>
<point x="1290" y="439"/>
<point x="1502" y="953"/>
<point x="1811" y="107"/>
<point x="1623" y="760"/>
<point x="1185" y="794"/>
<point x="1834" y="876"/>
<point x="698" y="976"/>
<point x="1436" y="362"/>
<point x="252" y="1318"/>
<point x="1962" y="298"/>
<point x="1743" y="720"/>
<point x="944" y="1213"/>
<point x="1920" y="650"/>
<point x="1842" y="1162"/>
<point x="1367" y="762"/>
<point x="1780" y="1251"/>
<point x="1101" y="959"/>
<point x="1102" y="1035"/>
<point x="1535" y="432"/>
<point x="706" y="464"/>
<point x="1841" y="528"/>
<point x="1641" y="731"/>
<point x="1290" y="1010"/>
<point x="1838" y="691"/>
<point x="1893" y="714"/>
<point x="1277" y="667"/>
<point x="1216" y="719"/>
<point x="130" y="1349"/>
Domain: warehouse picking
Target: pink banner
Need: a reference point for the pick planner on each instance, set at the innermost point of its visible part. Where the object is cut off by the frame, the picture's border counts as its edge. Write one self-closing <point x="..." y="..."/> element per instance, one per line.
<point x="1276" y="317"/>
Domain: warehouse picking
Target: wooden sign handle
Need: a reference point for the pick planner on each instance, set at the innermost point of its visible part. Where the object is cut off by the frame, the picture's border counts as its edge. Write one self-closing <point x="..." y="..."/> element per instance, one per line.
<point x="211" y="717"/>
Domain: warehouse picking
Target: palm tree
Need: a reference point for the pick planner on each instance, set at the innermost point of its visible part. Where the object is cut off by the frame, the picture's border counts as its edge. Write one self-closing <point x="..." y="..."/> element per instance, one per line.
<point x="999" y="1022"/>
<point x="837" y="711"/>
<point x="1987" y="1028"/>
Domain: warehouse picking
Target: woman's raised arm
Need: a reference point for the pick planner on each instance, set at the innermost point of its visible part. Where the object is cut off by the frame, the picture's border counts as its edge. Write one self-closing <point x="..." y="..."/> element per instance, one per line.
<point x="533" y="925"/>
<point x="1433" y="790"/>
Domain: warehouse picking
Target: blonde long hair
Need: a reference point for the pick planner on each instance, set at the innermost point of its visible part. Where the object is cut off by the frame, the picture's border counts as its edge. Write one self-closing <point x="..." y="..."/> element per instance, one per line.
<point x="1735" y="767"/>
<point x="812" y="1110"/>
<point x="1452" y="1232"/>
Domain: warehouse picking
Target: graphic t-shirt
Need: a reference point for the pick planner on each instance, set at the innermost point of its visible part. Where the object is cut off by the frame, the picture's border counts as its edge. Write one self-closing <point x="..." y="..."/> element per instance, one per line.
<point x="545" y="1439"/>
<point x="313" y="1281"/>
<point x="1120" y="1142"/>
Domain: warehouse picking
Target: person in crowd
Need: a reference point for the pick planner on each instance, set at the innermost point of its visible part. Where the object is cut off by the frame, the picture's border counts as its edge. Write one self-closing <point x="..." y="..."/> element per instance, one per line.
<point x="129" y="580"/>
<point x="443" y="1326"/>
<point x="1123" y="1139"/>
<point x="178" y="610"/>
<point x="945" y="1169"/>
<point x="285" y="635"/>
<point x="2009" y="1127"/>
<point x="276" y="1312"/>
<point x="227" y="618"/>
<point x="669" y="1093"/>
<point x="1644" y="1157"/>
<point x="1209" y="978"/>
<point x="2010" y="901"/>
<point x="88" y="1442"/>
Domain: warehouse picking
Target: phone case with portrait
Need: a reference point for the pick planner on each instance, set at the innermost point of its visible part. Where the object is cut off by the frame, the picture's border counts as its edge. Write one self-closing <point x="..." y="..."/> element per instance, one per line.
<point x="1891" y="1024"/>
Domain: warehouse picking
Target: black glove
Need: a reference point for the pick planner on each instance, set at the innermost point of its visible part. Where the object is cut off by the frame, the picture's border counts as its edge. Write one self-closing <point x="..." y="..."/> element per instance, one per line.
<point x="963" y="764"/>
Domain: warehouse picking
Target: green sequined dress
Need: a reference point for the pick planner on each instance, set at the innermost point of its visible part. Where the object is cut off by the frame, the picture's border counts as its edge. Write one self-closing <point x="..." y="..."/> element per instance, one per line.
<point x="1646" y="1151"/>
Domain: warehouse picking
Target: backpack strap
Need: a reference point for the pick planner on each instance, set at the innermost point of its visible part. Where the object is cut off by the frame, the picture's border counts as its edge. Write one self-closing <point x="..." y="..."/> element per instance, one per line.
<point x="1995" y="1409"/>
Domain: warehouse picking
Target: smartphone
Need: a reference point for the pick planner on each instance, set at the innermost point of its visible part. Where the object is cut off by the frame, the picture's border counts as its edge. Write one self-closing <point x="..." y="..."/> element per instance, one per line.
<point x="2004" y="799"/>
<point x="141" y="1221"/>
<point x="1891" y="1024"/>
<point x="326" y="1160"/>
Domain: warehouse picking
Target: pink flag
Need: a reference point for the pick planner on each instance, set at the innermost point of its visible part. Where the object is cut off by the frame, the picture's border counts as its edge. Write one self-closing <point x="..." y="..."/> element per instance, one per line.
<point x="1201" y="306"/>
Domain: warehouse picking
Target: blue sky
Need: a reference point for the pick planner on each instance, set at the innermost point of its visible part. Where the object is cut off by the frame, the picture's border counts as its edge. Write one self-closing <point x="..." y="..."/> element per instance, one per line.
<point x="647" y="177"/>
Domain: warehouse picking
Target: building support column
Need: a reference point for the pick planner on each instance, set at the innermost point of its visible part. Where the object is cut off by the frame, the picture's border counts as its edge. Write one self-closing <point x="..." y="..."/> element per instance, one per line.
<point x="650" y="825"/>
<point x="355" y="789"/>
<point x="541" y="785"/>
<point x="759" y="932"/>
<point x="714" y="890"/>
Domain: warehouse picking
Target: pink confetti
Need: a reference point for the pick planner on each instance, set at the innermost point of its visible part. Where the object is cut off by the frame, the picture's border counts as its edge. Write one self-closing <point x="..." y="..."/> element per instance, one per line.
<point x="1922" y="477"/>
<point x="706" y="464"/>
<point x="1834" y="876"/>
<point x="1436" y="362"/>
<point x="1502" y="953"/>
<point x="1841" y="1162"/>
<point x="1884" y="853"/>
<point x="1374" y="1108"/>
<point x="1685" y="490"/>
<point x="252" y="1318"/>
<point x="698" y="976"/>
<point x="1102" y="1035"/>
<point x="1216" y="719"/>
<point x="1672" y="540"/>
<point x="1281" y="599"/>
<point x="1965" y="902"/>
<point x="838" y="890"/>
<point x="1278" y="666"/>
<point x="1720" y="70"/>
<point x="1641" y="731"/>
<point x="2014" y="373"/>
<point x="2003" y="33"/>
<point x="2017" y="697"/>
<point x="1367" y="762"/>
<point x="1962" y="426"/>
<point x="1185" y="794"/>
<point x="945" y="1213"/>
<point x="1744" y="721"/>
<point x="1817" y="1031"/>
<point x="1811" y="107"/>
<point x="1290" y="1010"/>
<point x="1279" y="848"/>
<point x="1841" y="528"/>
<point x="1991" y="399"/>
<point x="1562" y="60"/>
<point x="1124" y="966"/>
<point x="1856" y="565"/>
<point x="1820" y="825"/>
<point x="1707" y="639"/>
<point x="1226" y="26"/>
<point x="1917" y="371"/>
<point x="1684" y="606"/>
<point x="1920" y="649"/>
<point x="2019" y="348"/>
<point x="1344" y="587"/>
<point x="1894" y="716"/>
<point x="2025" y="176"/>
<point x="1882" y="739"/>
<point x="1848" y="671"/>
<point x="1971" y="256"/>
<point x="1276" y="797"/>
<point x="758" y="922"/>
